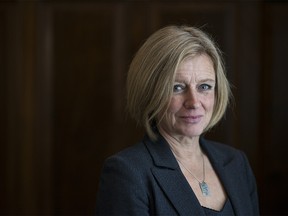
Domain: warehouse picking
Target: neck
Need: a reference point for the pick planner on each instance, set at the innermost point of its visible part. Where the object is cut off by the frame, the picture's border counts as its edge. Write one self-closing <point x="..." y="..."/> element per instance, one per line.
<point x="184" y="148"/>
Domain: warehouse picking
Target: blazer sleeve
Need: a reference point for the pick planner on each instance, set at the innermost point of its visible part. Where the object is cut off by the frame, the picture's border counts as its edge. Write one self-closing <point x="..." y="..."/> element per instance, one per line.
<point x="252" y="186"/>
<point x="121" y="189"/>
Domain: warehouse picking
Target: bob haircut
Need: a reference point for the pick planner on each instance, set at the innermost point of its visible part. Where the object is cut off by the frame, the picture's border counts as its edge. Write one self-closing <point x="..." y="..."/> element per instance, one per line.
<point x="152" y="72"/>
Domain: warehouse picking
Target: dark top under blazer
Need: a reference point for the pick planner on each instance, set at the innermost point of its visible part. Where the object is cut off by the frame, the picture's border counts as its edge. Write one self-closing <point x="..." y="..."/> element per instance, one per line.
<point x="145" y="179"/>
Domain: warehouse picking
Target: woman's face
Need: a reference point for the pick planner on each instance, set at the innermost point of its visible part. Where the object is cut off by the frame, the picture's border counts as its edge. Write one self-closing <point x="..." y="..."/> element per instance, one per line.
<point x="191" y="106"/>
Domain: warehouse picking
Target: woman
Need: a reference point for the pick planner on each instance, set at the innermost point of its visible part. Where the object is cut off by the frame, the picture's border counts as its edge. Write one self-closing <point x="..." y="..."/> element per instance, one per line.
<point x="177" y="88"/>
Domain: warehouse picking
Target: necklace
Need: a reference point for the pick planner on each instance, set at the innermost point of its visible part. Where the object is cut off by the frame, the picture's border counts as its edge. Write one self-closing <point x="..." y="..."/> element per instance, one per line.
<point x="202" y="184"/>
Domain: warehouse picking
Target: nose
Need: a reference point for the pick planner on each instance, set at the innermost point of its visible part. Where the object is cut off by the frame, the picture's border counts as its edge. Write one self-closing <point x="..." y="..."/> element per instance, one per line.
<point x="192" y="100"/>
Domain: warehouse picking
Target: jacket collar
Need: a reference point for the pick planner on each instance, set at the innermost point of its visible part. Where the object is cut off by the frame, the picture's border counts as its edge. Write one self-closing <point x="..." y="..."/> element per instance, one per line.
<point x="163" y="156"/>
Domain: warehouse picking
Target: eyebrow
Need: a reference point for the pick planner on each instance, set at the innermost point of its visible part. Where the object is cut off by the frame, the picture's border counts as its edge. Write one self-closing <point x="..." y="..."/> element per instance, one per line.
<point x="178" y="79"/>
<point x="207" y="80"/>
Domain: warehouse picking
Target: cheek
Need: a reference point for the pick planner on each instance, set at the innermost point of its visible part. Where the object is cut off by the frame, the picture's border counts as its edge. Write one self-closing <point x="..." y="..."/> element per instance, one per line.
<point x="174" y="106"/>
<point x="211" y="101"/>
<point x="208" y="101"/>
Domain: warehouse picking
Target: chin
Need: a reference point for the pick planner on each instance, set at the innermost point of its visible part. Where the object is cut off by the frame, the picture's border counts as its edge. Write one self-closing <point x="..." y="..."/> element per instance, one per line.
<point x="194" y="133"/>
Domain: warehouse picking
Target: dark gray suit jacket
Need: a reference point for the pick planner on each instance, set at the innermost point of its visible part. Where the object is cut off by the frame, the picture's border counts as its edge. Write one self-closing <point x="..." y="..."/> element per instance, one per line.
<point x="145" y="179"/>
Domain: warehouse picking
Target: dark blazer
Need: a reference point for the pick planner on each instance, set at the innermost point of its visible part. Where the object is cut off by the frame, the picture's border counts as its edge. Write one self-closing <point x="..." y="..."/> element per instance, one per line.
<point x="145" y="179"/>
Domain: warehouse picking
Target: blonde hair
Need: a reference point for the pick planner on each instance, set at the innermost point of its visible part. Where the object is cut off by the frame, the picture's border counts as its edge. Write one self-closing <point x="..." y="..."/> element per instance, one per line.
<point x="152" y="72"/>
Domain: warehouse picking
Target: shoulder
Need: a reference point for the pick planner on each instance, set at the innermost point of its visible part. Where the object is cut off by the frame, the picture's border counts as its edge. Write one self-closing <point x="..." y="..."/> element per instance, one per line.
<point x="222" y="153"/>
<point x="131" y="159"/>
<point x="136" y="152"/>
<point x="218" y="146"/>
<point x="127" y="170"/>
<point x="123" y="182"/>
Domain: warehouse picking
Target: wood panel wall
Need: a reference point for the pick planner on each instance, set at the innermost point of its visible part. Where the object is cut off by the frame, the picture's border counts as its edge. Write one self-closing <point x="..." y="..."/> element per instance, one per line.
<point x="62" y="88"/>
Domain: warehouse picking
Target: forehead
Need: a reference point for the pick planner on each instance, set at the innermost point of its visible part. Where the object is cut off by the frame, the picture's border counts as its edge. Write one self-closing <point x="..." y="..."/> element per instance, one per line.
<point x="200" y="66"/>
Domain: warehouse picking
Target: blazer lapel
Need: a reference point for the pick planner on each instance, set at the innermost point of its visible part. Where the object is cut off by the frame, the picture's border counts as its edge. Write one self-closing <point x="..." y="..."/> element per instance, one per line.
<point x="178" y="191"/>
<point x="227" y="168"/>
<point x="235" y="190"/>
<point x="170" y="178"/>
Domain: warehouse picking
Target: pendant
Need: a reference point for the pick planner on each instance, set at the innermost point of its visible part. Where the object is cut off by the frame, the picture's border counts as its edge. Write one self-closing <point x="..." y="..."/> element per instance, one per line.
<point x="204" y="188"/>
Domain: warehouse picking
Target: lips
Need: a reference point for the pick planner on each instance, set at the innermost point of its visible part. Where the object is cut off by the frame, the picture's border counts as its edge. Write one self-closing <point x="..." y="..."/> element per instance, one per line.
<point x="192" y="119"/>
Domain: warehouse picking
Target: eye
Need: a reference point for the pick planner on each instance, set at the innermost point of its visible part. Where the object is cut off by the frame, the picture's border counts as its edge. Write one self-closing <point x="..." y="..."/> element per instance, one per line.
<point x="204" y="87"/>
<point x="178" y="88"/>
